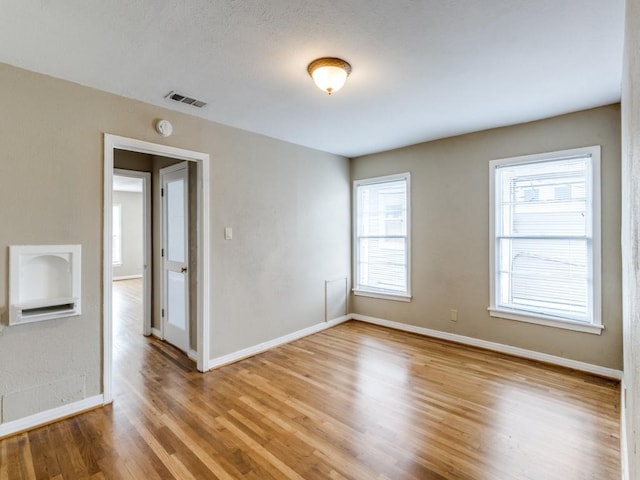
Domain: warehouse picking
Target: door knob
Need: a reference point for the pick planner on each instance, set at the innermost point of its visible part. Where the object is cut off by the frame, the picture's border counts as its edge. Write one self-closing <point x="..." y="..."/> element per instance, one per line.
<point x="183" y="269"/>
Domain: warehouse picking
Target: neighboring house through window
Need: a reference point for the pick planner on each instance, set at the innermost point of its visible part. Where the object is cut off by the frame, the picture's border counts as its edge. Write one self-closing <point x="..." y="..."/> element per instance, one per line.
<point x="545" y="239"/>
<point x="381" y="237"/>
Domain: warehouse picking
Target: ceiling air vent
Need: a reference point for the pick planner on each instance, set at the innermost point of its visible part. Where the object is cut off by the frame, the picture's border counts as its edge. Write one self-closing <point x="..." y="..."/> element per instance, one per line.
<point x="184" y="99"/>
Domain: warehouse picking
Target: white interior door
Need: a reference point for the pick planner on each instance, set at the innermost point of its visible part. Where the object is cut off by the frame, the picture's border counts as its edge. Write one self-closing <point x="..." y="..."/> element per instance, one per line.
<point x="175" y="255"/>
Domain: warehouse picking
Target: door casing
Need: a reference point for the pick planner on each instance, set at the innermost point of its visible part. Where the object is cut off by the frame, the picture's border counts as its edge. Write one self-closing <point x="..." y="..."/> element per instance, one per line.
<point x="111" y="143"/>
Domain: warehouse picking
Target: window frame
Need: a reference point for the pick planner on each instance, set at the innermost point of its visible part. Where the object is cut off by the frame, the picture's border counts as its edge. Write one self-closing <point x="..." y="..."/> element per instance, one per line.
<point x="366" y="292"/>
<point x="593" y="180"/>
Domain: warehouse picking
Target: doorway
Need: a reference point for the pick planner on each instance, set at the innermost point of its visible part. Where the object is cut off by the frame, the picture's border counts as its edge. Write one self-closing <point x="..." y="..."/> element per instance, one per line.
<point x="131" y="238"/>
<point x="201" y="275"/>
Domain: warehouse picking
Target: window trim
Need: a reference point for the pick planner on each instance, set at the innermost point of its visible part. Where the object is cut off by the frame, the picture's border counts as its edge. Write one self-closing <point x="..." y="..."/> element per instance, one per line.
<point x="364" y="292"/>
<point x="595" y="325"/>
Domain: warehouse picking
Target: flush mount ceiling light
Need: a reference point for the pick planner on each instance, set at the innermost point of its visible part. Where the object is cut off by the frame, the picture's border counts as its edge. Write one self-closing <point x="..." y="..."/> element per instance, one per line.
<point x="329" y="74"/>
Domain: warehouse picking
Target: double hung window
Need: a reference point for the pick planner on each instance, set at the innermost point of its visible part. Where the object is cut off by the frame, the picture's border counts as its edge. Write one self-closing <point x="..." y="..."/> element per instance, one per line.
<point x="545" y="239"/>
<point x="381" y="237"/>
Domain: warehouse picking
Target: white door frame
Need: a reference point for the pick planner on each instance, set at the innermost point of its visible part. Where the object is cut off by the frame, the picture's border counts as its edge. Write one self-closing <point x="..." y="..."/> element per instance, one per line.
<point x="146" y="243"/>
<point x="111" y="143"/>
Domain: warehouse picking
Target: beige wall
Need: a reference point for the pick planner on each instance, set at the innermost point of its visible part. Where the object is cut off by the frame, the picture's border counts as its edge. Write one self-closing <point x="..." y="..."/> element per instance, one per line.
<point x="450" y="233"/>
<point x="631" y="236"/>
<point x="132" y="234"/>
<point x="127" y="160"/>
<point x="288" y="206"/>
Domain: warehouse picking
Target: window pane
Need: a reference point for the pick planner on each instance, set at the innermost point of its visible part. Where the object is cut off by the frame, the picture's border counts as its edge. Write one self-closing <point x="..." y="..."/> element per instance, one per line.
<point x="547" y="198"/>
<point x="382" y="209"/>
<point x="382" y="263"/>
<point x="545" y="275"/>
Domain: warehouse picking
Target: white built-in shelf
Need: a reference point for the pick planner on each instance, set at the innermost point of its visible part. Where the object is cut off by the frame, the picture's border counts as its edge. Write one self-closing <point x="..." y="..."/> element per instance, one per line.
<point x="44" y="282"/>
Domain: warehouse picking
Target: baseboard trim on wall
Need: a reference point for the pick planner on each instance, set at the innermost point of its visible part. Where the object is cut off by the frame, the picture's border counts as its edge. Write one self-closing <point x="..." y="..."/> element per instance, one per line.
<point x="496" y="347"/>
<point x="126" y="277"/>
<point x="49" y="416"/>
<point x="276" y="342"/>
<point x="156" y="333"/>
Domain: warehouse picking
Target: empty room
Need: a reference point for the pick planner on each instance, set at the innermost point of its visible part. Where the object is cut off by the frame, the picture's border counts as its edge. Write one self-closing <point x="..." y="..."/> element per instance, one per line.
<point x="320" y="239"/>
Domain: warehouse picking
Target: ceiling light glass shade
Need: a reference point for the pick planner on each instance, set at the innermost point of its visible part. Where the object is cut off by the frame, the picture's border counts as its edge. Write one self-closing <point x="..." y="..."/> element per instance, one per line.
<point x="329" y="74"/>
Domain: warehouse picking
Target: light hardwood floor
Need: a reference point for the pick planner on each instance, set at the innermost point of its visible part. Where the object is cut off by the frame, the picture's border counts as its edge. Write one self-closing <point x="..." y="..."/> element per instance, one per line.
<point x="353" y="402"/>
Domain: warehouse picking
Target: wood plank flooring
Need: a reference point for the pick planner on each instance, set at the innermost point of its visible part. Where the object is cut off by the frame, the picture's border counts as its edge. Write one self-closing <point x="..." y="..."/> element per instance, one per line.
<point x="353" y="402"/>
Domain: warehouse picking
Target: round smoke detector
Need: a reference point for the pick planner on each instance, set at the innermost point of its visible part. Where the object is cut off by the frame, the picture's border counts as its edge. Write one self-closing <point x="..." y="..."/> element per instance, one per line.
<point x="164" y="127"/>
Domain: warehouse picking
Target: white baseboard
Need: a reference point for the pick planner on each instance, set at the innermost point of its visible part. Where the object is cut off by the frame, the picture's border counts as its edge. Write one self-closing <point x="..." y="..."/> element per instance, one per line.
<point x="126" y="277"/>
<point x="49" y="416"/>
<point x="496" y="347"/>
<point x="475" y="342"/>
<point x="156" y="333"/>
<point x="261" y="347"/>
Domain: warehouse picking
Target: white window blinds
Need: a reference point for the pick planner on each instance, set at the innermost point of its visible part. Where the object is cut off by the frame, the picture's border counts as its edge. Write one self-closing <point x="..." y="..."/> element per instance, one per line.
<point x="381" y="235"/>
<point x="543" y="234"/>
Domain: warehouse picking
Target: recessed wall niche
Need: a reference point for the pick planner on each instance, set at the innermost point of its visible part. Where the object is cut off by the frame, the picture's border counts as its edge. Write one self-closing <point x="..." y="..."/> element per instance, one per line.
<point x="44" y="282"/>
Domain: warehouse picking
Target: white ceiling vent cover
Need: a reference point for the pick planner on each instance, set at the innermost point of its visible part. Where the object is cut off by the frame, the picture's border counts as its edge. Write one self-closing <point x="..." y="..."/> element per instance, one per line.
<point x="178" y="97"/>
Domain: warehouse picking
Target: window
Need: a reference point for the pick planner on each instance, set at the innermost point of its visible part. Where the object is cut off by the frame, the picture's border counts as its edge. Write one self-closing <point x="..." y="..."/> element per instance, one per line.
<point x="545" y="227"/>
<point x="381" y="237"/>
<point x="116" y="254"/>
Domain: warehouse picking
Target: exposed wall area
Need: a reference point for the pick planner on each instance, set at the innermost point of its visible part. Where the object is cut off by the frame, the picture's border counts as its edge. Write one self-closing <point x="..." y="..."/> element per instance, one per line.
<point x="289" y="208"/>
<point x="450" y="233"/>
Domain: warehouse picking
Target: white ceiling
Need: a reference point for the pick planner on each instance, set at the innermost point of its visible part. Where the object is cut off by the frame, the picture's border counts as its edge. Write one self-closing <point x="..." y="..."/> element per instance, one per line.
<point x="422" y="69"/>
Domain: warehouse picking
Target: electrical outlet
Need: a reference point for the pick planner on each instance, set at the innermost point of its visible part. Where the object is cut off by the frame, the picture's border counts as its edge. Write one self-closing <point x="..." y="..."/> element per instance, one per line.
<point x="453" y="315"/>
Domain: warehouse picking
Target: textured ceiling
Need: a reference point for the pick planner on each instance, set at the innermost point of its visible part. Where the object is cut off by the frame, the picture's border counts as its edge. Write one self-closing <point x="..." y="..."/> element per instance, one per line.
<point x="422" y="69"/>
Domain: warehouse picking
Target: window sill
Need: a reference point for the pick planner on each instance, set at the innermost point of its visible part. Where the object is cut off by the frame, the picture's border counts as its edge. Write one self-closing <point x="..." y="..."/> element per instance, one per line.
<point x="385" y="296"/>
<point x="547" y="321"/>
